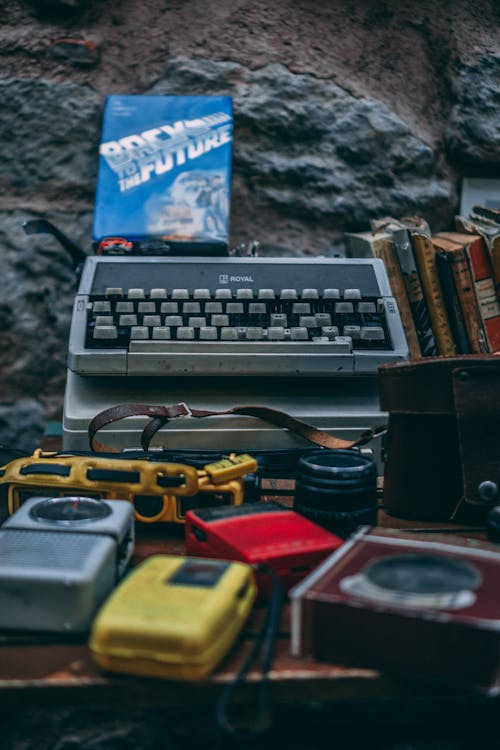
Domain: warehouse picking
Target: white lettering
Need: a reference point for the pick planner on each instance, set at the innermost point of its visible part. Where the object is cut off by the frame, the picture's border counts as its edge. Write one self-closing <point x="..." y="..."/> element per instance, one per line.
<point x="164" y="163"/>
<point x="195" y="149"/>
<point x="154" y="136"/>
<point x="175" y="129"/>
<point x="113" y="153"/>
<point x="138" y="157"/>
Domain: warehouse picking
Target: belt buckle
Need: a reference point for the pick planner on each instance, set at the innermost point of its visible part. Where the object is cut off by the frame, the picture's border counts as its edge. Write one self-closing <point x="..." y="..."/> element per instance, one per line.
<point x="187" y="410"/>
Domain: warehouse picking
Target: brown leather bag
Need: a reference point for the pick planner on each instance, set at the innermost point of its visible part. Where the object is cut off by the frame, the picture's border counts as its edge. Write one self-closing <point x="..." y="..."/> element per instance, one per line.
<point x="443" y="442"/>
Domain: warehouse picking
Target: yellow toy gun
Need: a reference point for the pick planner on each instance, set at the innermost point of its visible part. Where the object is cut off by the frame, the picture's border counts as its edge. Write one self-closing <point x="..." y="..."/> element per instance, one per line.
<point x="159" y="491"/>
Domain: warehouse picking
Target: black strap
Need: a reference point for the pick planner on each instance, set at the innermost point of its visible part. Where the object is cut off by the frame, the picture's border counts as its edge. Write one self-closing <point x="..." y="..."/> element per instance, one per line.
<point x="264" y="642"/>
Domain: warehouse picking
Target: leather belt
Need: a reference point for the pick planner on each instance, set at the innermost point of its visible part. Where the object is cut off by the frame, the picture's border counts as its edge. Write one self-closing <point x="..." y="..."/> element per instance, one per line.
<point x="160" y="415"/>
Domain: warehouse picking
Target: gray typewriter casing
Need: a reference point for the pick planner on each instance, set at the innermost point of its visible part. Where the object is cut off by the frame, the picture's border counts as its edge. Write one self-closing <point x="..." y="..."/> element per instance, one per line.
<point x="344" y="407"/>
<point x="332" y="386"/>
<point x="54" y="576"/>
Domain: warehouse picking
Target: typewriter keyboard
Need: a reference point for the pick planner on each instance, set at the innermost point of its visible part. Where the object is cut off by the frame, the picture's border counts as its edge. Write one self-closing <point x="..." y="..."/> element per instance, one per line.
<point x="176" y="316"/>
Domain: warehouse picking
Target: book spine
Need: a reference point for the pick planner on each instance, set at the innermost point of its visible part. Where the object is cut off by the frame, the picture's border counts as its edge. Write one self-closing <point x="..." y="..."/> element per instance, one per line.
<point x="416" y="299"/>
<point x="491" y="235"/>
<point x="425" y="257"/>
<point x="387" y="252"/>
<point x="457" y="325"/>
<point x="494" y="249"/>
<point x="468" y="302"/>
<point x="486" y="295"/>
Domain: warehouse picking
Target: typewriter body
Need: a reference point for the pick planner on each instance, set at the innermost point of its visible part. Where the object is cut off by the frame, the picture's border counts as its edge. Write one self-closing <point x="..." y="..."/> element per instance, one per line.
<point x="305" y="335"/>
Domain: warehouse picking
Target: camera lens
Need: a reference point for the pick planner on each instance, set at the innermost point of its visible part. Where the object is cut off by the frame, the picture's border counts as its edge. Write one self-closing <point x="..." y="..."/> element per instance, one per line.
<point x="493" y="524"/>
<point x="337" y="489"/>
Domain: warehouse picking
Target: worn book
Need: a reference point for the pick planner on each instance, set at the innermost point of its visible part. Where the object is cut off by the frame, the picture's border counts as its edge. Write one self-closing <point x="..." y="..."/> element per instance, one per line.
<point x="466" y="293"/>
<point x="444" y="263"/>
<point x="401" y="230"/>
<point x="487" y="214"/>
<point x="414" y="290"/>
<point x="483" y="282"/>
<point x="381" y="245"/>
<point x="425" y="256"/>
<point x="481" y="222"/>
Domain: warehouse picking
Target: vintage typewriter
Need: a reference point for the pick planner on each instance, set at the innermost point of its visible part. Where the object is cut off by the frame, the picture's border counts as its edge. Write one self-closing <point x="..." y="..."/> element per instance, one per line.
<point x="233" y="316"/>
<point x="305" y="335"/>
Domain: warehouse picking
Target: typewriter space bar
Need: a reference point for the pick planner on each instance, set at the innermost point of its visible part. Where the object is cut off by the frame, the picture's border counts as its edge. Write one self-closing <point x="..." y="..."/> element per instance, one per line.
<point x="239" y="358"/>
<point x="241" y="347"/>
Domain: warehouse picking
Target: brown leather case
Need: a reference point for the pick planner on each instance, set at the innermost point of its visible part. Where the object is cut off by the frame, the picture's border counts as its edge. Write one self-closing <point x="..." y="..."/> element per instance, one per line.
<point x="443" y="441"/>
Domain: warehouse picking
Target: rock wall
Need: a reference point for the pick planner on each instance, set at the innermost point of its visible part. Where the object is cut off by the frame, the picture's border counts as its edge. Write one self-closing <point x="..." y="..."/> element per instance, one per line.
<point x="342" y="114"/>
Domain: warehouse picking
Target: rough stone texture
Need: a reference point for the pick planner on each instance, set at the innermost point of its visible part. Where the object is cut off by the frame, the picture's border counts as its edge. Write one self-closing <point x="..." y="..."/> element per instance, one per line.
<point x="38" y="285"/>
<point x="318" y="157"/>
<point x="342" y="112"/>
<point x="49" y="136"/>
<point x="473" y="132"/>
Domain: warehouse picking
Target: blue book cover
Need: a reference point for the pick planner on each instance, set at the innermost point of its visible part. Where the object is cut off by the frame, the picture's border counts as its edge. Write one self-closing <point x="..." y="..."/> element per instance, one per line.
<point x="165" y="168"/>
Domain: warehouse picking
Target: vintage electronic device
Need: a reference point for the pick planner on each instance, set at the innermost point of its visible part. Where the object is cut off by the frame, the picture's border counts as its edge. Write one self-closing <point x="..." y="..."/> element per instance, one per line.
<point x="419" y="605"/>
<point x="237" y="330"/>
<point x="173" y="617"/>
<point x="59" y="559"/>
<point x="232" y="316"/>
<point x="345" y="408"/>
<point x="159" y="490"/>
<point x="262" y="532"/>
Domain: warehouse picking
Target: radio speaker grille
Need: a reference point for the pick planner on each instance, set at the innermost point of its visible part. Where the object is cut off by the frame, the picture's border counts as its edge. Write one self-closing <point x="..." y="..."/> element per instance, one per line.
<point x="44" y="549"/>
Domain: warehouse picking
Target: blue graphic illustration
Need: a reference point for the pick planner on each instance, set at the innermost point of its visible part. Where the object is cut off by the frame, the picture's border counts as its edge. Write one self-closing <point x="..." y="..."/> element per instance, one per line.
<point x="164" y="168"/>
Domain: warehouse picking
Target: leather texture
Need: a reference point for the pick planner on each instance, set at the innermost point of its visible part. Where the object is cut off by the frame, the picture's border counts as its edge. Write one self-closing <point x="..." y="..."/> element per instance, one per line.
<point x="443" y="442"/>
<point x="160" y="415"/>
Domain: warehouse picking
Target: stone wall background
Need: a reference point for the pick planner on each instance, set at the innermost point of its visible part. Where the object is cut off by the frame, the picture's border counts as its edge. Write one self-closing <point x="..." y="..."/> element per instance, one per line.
<point x="343" y="112"/>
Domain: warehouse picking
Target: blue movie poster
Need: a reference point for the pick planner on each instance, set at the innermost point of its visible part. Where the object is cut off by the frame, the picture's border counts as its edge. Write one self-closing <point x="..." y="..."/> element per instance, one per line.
<point x="165" y="168"/>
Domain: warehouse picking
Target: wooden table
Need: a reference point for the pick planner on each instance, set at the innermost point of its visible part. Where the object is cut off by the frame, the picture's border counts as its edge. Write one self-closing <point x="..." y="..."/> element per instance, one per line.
<point x="61" y="676"/>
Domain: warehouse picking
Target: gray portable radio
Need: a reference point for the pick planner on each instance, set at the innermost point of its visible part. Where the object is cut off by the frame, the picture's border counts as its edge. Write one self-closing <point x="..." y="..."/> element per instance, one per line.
<point x="59" y="559"/>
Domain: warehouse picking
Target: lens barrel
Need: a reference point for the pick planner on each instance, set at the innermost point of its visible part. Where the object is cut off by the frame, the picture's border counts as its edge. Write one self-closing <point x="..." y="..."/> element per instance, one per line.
<point x="337" y="489"/>
<point x="493" y="524"/>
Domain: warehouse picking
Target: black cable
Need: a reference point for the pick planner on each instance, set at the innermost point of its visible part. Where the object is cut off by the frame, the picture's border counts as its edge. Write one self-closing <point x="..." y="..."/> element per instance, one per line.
<point x="8" y="454"/>
<point x="42" y="226"/>
<point x="265" y="642"/>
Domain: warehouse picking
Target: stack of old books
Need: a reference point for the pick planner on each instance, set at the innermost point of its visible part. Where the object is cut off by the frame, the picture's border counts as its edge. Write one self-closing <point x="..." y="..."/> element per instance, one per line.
<point x="446" y="284"/>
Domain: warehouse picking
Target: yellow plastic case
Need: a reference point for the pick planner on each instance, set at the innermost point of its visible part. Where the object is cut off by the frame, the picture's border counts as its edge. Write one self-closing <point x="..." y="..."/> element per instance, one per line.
<point x="173" y="617"/>
<point x="171" y="489"/>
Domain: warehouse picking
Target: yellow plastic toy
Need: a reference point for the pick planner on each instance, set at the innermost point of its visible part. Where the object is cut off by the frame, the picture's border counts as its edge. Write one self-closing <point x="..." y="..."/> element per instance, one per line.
<point x="173" y="617"/>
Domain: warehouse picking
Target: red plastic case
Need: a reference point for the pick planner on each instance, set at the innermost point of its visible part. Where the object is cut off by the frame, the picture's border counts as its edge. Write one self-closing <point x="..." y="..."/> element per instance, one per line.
<point x="260" y="533"/>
